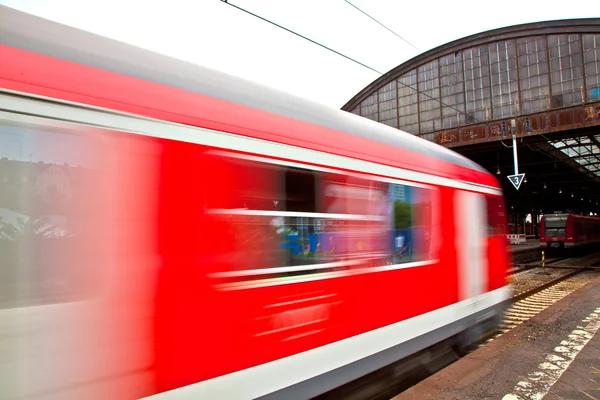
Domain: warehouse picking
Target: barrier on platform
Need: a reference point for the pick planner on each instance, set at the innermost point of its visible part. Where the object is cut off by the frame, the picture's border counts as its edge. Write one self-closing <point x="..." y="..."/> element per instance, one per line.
<point x="516" y="238"/>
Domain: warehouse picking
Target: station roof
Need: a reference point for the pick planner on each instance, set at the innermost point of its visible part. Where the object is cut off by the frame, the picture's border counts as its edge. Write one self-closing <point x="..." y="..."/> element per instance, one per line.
<point x="540" y="82"/>
<point x="560" y="175"/>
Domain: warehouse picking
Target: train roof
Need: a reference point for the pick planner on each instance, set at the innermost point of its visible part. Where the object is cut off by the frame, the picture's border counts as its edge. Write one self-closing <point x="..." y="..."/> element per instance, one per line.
<point x="38" y="35"/>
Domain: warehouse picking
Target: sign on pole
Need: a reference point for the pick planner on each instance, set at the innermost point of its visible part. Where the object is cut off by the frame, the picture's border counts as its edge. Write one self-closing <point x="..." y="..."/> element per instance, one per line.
<point x="516" y="180"/>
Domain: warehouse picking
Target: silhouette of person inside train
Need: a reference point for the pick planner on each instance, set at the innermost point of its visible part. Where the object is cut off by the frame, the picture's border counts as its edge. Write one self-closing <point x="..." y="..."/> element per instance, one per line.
<point x="306" y="249"/>
<point x="399" y="245"/>
<point x="331" y="249"/>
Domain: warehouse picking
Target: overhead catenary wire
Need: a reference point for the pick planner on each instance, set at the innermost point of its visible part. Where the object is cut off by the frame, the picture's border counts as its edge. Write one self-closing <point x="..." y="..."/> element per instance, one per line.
<point x="432" y="59"/>
<point x="340" y="54"/>
<point x="397" y="35"/>
<point x="302" y="36"/>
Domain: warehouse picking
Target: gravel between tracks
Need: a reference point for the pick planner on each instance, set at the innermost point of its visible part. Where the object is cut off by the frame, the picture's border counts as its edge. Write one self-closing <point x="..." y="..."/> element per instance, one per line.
<point x="528" y="280"/>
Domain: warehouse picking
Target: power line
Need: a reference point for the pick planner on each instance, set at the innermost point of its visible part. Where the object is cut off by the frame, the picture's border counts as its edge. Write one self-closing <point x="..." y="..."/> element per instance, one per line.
<point x="343" y="55"/>
<point x="406" y="41"/>
<point x="432" y="59"/>
<point x="302" y="36"/>
<point x="397" y="35"/>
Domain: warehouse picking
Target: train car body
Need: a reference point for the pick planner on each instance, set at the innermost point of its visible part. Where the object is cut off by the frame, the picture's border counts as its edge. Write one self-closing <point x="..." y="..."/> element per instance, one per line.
<point x="567" y="231"/>
<point x="171" y="231"/>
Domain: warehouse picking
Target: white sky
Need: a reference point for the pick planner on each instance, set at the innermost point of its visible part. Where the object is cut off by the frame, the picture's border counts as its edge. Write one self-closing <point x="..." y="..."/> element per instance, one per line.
<point x="216" y="35"/>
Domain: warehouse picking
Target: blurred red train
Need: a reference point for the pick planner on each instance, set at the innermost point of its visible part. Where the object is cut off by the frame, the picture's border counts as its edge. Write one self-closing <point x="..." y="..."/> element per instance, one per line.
<point x="565" y="230"/>
<point x="171" y="231"/>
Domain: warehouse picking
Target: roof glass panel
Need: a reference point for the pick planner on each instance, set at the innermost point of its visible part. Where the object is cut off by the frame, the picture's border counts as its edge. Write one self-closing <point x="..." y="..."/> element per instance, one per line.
<point x="570" y="152"/>
<point x="571" y="142"/>
<point x="583" y="150"/>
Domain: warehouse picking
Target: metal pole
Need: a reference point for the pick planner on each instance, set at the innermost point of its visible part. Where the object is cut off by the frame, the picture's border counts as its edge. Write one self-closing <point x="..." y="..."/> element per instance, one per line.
<point x="514" y="140"/>
<point x="543" y="262"/>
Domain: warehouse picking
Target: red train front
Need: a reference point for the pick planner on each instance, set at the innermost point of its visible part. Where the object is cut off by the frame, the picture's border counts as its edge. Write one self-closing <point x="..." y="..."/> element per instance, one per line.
<point x="566" y="230"/>
<point x="170" y="231"/>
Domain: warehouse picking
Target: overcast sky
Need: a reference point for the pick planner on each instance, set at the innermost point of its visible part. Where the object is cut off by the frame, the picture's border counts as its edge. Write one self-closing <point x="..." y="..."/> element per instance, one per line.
<point x="216" y="35"/>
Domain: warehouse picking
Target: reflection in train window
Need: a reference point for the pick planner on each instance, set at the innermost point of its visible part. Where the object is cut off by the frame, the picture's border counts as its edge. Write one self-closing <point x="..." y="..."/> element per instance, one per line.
<point x="272" y="218"/>
<point x="51" y="225"/>
<point x="412" y="226"/>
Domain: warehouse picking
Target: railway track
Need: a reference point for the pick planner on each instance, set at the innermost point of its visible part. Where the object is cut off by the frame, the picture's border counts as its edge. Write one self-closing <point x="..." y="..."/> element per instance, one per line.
<point x="522" y="267"/>
<point x="528" y="304"/>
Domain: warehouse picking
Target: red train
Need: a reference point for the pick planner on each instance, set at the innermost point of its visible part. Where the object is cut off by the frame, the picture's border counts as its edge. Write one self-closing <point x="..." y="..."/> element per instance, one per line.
<point x="171" y="231"/>
<point x="564" y="230"/>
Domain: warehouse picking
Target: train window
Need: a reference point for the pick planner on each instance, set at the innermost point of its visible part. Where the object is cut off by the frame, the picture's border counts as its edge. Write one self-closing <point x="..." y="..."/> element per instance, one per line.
<point x="52" y="222"/>
<point x="555" y="225"/>
<point x="412" y="224"/>
<point x="354" y="225"/>
<point x="280" y="221"/>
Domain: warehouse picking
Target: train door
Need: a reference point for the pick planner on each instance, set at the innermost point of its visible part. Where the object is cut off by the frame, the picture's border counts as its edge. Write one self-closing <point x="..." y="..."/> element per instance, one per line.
<point x="470" y="210"/>
<point x="498" y="252"/>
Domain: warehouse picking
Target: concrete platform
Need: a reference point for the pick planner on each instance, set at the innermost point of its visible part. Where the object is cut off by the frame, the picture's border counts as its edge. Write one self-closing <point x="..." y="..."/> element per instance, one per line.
<point x="555" y="355"/>
<point x="582" y="379"/>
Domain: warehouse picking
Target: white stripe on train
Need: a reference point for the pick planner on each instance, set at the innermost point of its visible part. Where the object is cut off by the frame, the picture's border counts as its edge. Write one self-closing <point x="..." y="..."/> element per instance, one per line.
<point x="102" y="118"/>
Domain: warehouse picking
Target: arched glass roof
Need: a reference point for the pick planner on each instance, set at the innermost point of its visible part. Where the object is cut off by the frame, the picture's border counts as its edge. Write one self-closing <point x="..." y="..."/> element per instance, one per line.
<point x="489" y="77"/>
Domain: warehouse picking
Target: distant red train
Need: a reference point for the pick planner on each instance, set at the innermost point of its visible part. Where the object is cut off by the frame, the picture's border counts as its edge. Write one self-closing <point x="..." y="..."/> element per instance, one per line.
<point x="171" y="231"/>
<point x="564" y="230"/>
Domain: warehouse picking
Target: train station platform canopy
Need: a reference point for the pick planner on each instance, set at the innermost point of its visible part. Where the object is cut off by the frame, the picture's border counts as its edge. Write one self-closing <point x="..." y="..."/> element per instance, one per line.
<point x="539" y="81"/>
